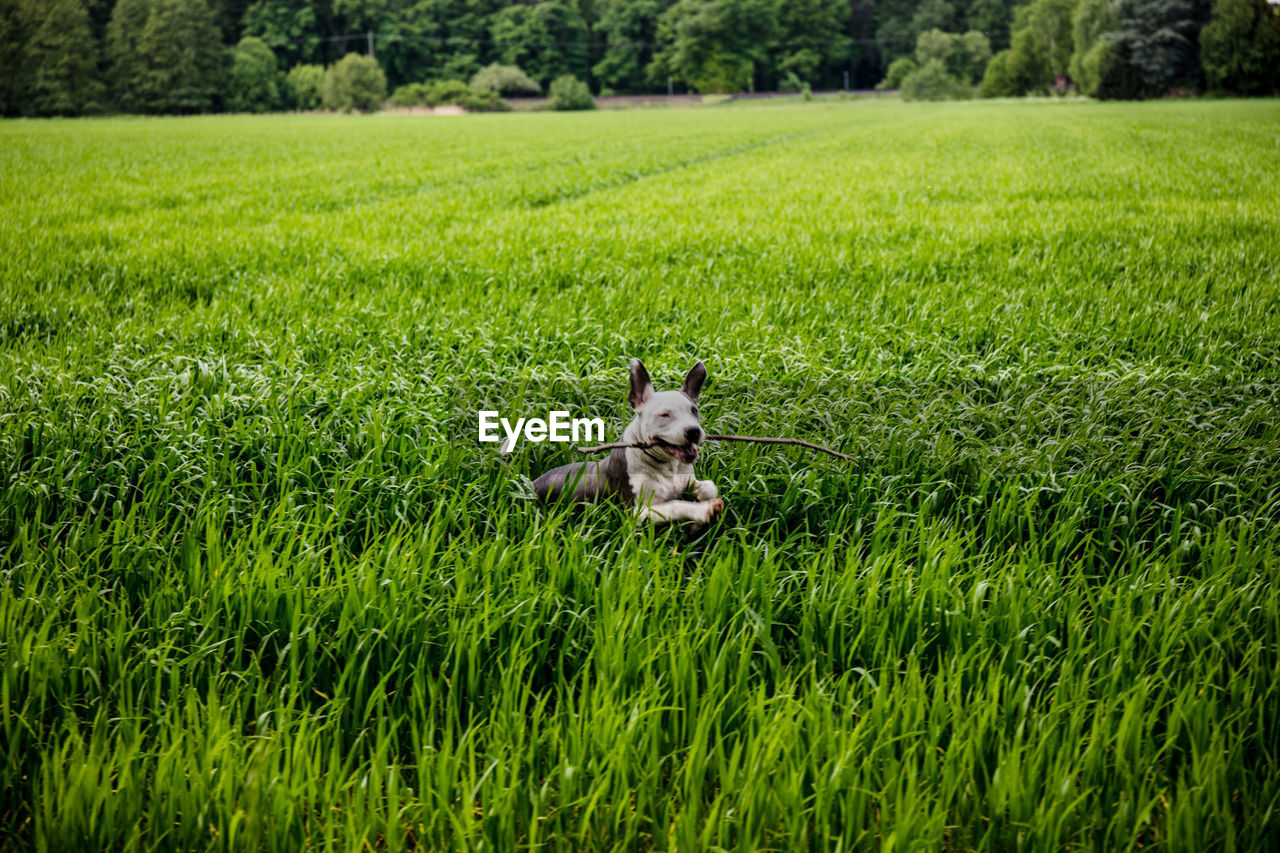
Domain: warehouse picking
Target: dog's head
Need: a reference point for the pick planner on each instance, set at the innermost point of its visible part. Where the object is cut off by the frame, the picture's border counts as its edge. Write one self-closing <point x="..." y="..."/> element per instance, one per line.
<point x="668" y="419"/>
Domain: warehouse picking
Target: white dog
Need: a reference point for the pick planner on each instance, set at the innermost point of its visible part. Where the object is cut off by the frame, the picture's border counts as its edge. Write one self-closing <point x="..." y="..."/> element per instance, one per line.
<point x="651" y="478"/>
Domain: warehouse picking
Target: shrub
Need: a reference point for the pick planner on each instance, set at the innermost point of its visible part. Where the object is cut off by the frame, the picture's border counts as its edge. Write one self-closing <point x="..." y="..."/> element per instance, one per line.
<point x="448" y="92"/>
<point x="1240" y="47"/>
<point x="305" y="83"/>
<point x="791" y="83"/>
<point x="570" y="93"/>
<point x="996" y="81"/>
<point x="507" y="80"/>
<point x="253" y="78"/>
<point x="931" y="82"/>
<point x="898" y="71"/>
<point x="411" y="95"/>
<point x="482" y="102"/>
<point x="355" y="82"/>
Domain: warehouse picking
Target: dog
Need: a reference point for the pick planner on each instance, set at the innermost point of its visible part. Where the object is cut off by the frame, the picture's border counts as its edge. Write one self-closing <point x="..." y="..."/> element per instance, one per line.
<point x="651" y="479"/>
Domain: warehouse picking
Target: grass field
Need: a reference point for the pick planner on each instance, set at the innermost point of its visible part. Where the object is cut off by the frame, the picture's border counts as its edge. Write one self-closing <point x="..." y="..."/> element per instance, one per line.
<point x="264" y="590"/>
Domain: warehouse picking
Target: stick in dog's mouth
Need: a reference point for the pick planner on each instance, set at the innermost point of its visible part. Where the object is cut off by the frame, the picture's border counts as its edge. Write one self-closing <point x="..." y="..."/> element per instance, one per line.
<point x="683" y="452"/>
<point x="713" y="437"/>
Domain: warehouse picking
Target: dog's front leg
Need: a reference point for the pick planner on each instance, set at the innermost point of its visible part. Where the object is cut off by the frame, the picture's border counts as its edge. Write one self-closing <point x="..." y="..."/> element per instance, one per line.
<point x="660" y="513"/>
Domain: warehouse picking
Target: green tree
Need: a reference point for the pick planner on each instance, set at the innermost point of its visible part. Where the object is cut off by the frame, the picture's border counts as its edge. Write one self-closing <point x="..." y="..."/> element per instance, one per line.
<point x="99" y="16"/>
<point x="1154" y="46"/>
<point x="963" y="56"/>
<point x="253" y="79"/>
<point x="894" y="37"/>
<point x="971" y="54"/>
<point x="305" y="83"/>
<point x="1240" y="47"/>
<point x="463" y="27"/>
<point x="1049" y="23"/>
<point x="13" y="76"/>
<point x="900" y="22"/>
<point x="360" y="15"/>
<point x="715" y="45"/>
<point x="181" y="48"/>
<point x="934" y="45"/>
<point x="406" y="42"/>
<point x="354" y="82"/>
<point x="1090" y="51"/>
<point x="812" y="40"/>
<point x="229" y="17"/>
<point x="293" y="29"/>
<point x="1039" y="55"/>
<point x="546" y="40"/>
<point x="993" y="19"/>
<point x="126" y="63"/>
<point x="629" y="29"/>
<point x="1027" y="64"/>
<point x="933" y="15"/>
<point x="61" y="59"/>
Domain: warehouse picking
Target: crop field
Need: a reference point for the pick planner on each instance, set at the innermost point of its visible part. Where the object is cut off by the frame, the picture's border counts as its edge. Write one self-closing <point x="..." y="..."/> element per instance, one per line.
<point x="264" y="589"/>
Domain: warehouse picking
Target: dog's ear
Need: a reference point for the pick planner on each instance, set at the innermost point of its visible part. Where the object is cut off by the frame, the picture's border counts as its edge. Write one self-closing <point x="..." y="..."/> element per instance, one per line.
<point x="693" y="380"/>
<point x="641" y="387"/>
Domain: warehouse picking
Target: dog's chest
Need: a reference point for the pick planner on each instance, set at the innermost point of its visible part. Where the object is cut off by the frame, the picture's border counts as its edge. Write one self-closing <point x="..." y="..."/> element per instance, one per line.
<point x="659" y="484"/>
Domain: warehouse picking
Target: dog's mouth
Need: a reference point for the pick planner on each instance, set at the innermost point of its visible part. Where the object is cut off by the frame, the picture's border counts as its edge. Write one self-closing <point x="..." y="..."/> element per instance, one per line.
<point x="683" y="452"/>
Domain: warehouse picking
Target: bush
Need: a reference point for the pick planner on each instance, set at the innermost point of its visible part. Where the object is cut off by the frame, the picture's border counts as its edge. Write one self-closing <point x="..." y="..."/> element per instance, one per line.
<point x="570" y="93"/>
<point x="305" y="83"/>
<point x="355" y="82"/>
<point x="507" y="80"/>
<point x="931" y="82"/>
<point x="996" y="81"/>
<point x="1240" y="47"/>
<point x="482" y="102"/>
<point x="411" y="95"/>
<point x="898" y="71"/>
<point x="253" y="78"/>
<point x="791" y="83"/>
<point x="448" y="92"/>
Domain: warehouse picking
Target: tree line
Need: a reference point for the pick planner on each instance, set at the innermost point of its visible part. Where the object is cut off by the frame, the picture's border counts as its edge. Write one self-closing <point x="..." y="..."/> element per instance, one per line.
<point x="71" y="57"/>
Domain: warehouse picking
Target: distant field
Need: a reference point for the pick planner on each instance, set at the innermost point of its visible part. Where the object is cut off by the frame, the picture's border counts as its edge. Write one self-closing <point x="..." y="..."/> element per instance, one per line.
<point x="264" y="590"/>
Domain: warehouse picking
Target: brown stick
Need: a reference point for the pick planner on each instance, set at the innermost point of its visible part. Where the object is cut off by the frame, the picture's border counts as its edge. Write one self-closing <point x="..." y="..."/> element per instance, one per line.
<point x="751" y="438"/>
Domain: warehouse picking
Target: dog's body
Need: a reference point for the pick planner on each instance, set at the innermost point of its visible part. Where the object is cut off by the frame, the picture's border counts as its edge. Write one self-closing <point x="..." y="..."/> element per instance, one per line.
<point x="652" y="479"/>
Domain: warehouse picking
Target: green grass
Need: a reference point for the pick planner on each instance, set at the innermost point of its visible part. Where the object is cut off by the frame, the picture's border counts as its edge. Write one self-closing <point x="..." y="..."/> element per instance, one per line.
<point x="264" y="590"/>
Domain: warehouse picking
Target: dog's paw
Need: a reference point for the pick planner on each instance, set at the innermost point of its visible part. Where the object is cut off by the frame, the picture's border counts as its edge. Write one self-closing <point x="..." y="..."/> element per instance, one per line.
<point x="714" y="509"/>
<point x="705" y="490"/>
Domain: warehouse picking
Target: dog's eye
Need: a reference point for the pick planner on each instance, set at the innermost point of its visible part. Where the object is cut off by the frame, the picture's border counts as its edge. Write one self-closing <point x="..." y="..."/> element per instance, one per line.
<point x="695" y="410"/>
<point x="665" y="415"/>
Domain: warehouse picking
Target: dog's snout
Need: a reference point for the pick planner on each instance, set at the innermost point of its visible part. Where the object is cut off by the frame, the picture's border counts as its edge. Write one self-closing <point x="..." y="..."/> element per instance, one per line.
<point x="693" y="434"/>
